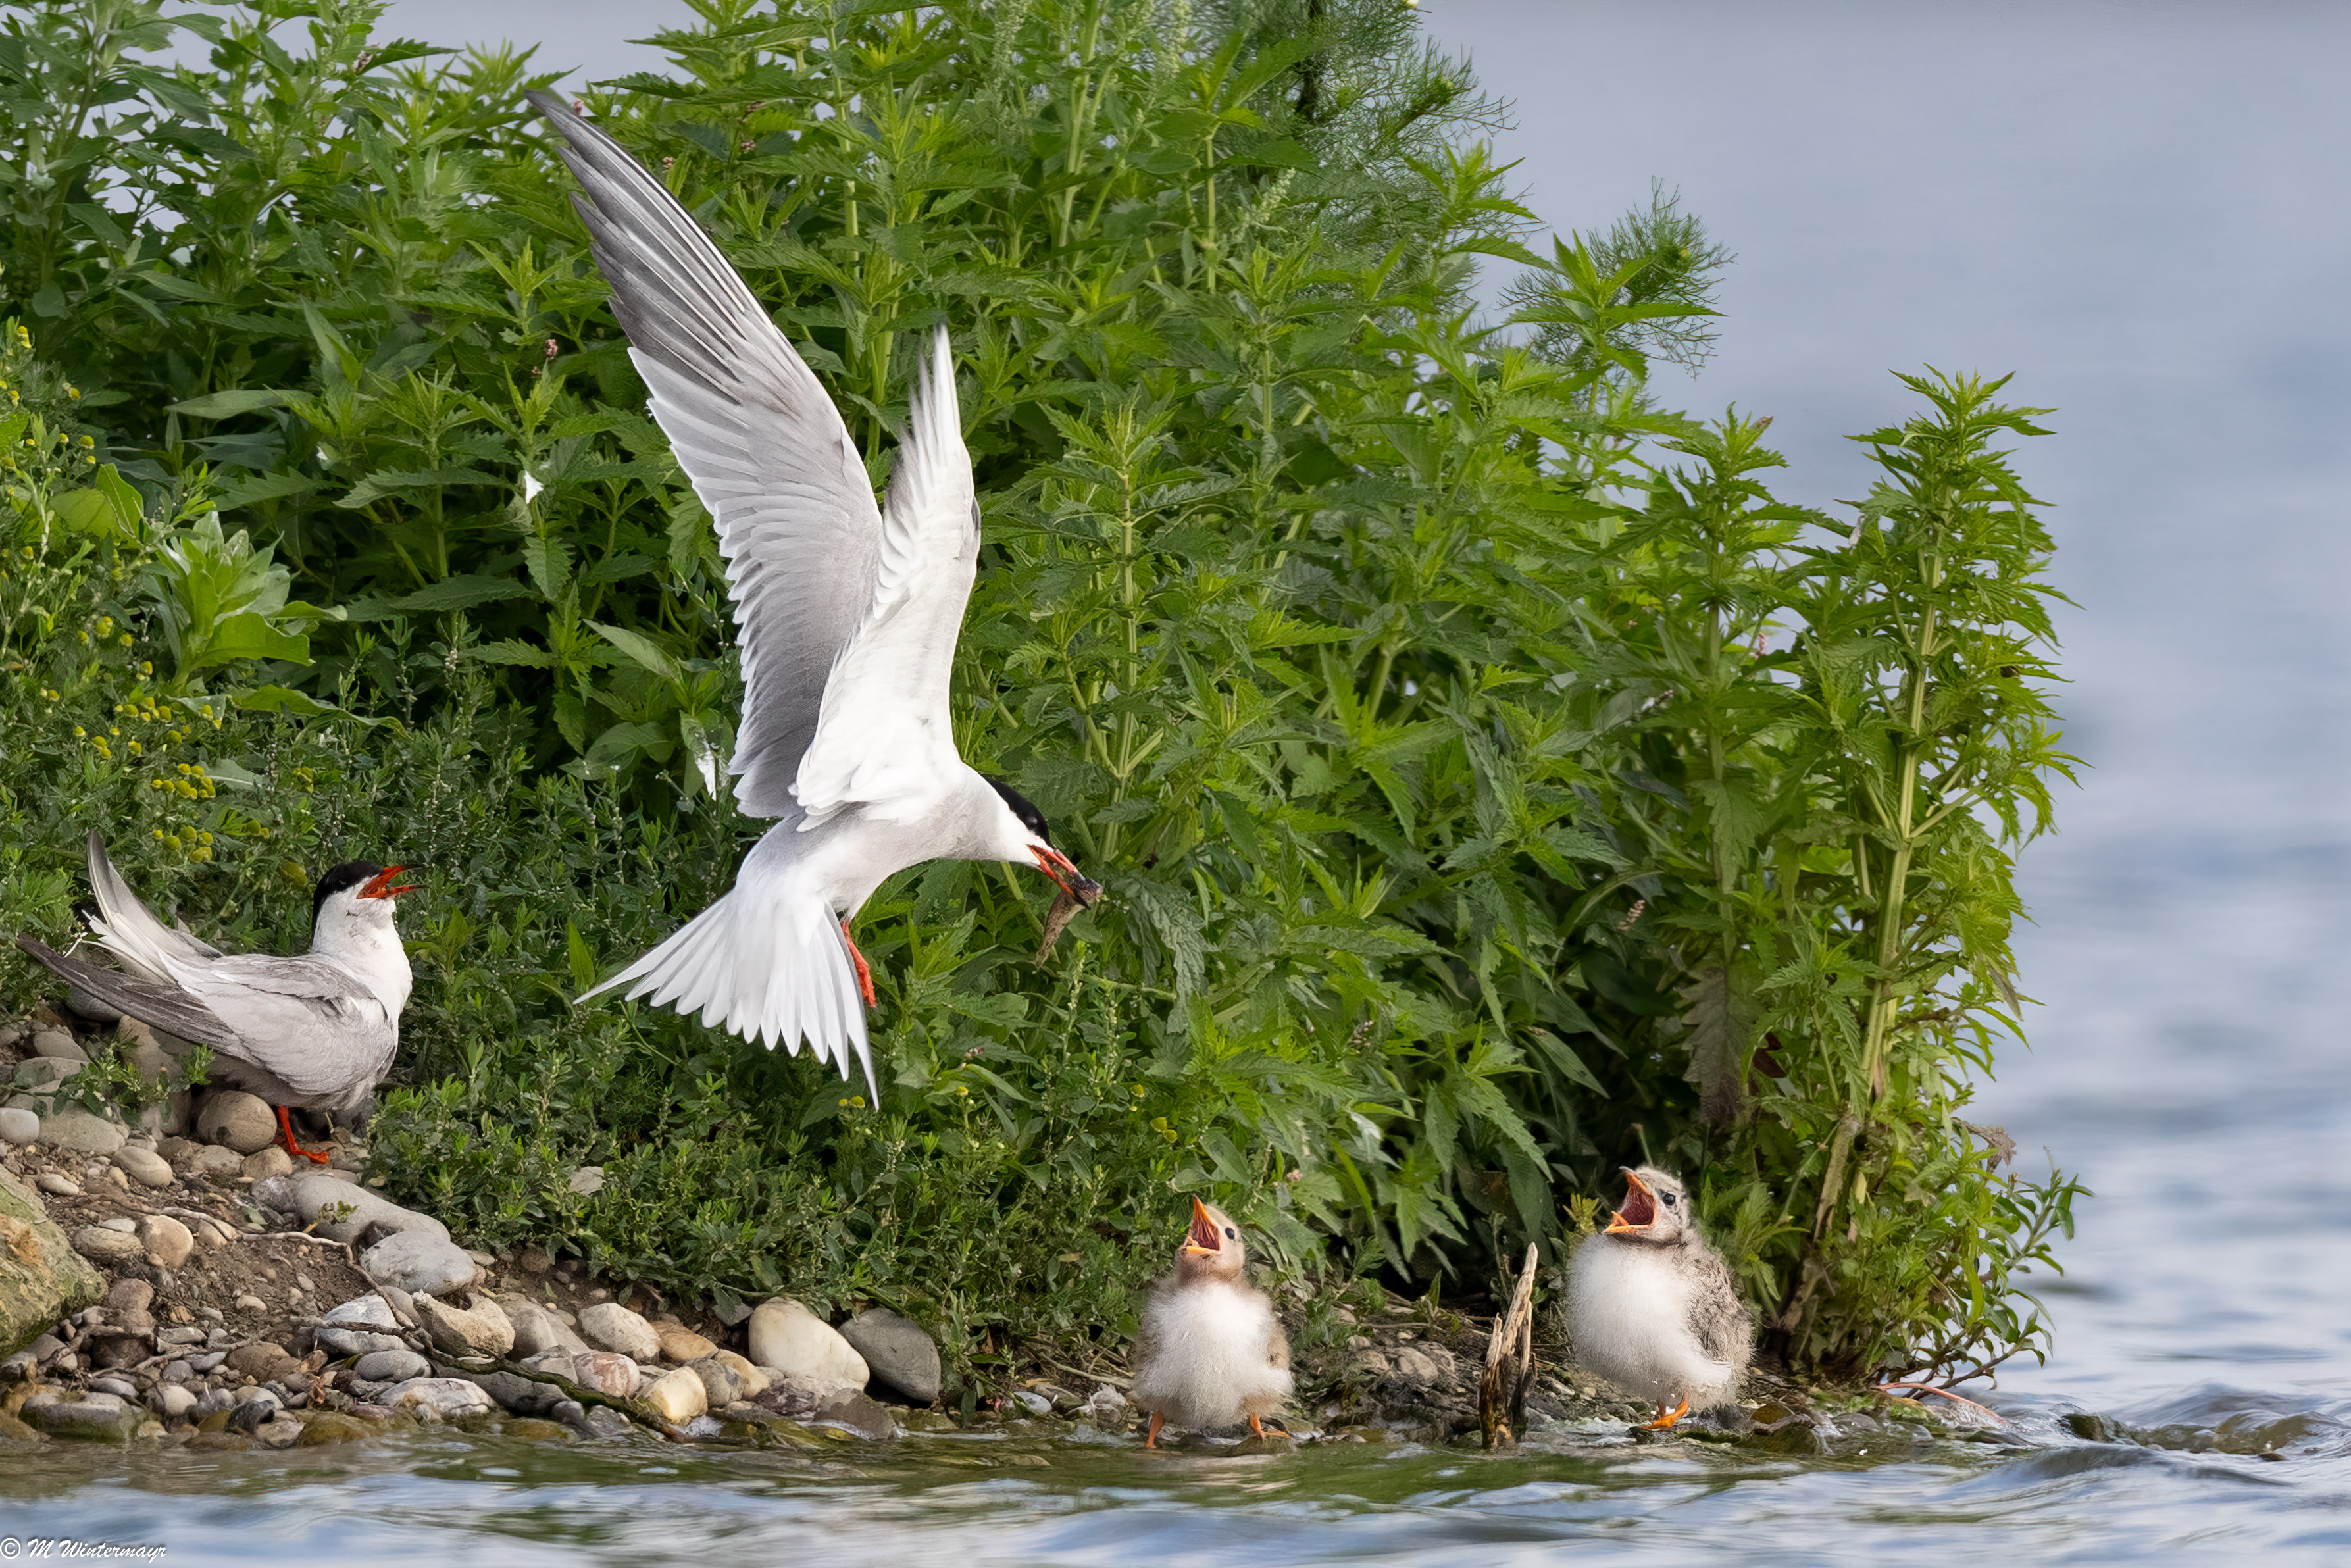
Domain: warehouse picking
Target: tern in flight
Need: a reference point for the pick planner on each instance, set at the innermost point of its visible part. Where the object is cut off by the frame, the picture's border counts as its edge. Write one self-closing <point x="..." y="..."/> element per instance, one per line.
<point x="312" y="1031"/>
<point x="848" y="614"/>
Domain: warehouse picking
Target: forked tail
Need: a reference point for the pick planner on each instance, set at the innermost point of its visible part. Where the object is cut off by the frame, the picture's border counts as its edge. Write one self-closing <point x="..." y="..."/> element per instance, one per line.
<point x="754" y="968"/>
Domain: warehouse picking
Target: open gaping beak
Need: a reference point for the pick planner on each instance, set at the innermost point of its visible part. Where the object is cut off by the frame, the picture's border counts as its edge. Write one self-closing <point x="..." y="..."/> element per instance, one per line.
<point x="380" y="885"/>
<point x="1202" y="1241"/>
<point x="1640" y="1209"/>
<point x="1079" y="886"/>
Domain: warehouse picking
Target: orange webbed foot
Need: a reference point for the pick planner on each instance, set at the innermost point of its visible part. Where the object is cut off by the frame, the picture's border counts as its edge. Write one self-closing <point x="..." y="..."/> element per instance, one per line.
<point x="286" y="1130"/>
<point x="1666" y="1418"/>
<point x="1151" y="1438"/>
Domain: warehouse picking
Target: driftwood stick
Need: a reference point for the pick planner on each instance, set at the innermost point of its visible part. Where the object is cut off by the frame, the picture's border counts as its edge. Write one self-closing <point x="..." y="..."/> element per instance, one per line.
<point x="1509" y="1364"/>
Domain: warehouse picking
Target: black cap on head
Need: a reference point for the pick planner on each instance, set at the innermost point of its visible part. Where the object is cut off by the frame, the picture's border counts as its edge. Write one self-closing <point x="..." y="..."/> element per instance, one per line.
<point x="1023" y="808"/>
<point x="350" y="874"/>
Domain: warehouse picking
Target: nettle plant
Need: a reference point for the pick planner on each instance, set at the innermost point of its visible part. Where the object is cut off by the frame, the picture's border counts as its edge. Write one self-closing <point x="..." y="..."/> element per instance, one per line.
<point x="1494" y="782"/>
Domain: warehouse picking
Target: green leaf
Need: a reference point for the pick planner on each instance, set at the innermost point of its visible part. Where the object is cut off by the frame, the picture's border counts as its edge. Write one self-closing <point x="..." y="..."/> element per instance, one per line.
<point x="227" y="404"/>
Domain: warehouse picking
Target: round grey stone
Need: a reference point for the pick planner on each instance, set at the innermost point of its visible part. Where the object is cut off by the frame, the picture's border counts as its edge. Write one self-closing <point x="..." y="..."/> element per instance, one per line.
<point x="72" y="1127"/>
<point x="58" y="1044"/>
<point x="144" y="1165"/>
<point x="418" y="1262"/>
<point x="899" y="1354"/>
<point x="242" y="1122"/>
<point x="19" y="1126"/>
<point x="392" y="1366"/>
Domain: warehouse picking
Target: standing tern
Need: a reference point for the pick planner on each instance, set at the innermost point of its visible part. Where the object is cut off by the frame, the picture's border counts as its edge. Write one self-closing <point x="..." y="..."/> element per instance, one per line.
<point x="315" y="1031"/>
<point x="848" y="615"/>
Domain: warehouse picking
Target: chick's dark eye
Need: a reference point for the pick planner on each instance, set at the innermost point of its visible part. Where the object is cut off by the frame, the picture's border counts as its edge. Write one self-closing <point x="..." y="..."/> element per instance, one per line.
<point x="1230" y="1232"/>
<point x="1669" y="1199"/>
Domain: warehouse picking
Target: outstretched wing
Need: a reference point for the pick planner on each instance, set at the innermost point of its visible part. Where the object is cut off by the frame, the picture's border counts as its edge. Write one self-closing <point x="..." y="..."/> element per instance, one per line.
<point x="885" y="733"/>
<point x="764" y="446"/>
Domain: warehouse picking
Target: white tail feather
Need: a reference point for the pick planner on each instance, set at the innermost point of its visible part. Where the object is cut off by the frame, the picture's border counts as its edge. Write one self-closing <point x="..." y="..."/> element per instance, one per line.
<point x="761" y="972"/>
<point x="128" y="929"/>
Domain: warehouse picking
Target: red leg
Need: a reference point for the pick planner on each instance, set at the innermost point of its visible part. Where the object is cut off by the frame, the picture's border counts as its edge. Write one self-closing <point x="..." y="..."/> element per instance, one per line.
<point x="286" y="1127"/>
<point x="864" y="975"/>
<point x="1151" y="1438"/>
<point x="1255" y="1426"/>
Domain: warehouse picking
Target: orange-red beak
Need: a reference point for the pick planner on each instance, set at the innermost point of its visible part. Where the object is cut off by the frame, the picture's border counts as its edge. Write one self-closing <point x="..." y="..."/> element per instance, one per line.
<point x="1640" y="1209"/>
<point x="380" y="885"/>
<point x="1202" y="1241"/>
<point x="1070" y="880"/>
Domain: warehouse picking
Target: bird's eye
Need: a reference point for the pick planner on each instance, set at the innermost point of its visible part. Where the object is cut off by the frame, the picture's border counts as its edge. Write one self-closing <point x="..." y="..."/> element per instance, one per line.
<point x="1231" y="1233"/>
<point x="1669" y="1198"/>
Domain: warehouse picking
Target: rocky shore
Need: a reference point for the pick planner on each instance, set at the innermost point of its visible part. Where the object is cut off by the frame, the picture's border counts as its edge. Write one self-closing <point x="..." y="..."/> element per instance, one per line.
<point x="184" y="1280"/>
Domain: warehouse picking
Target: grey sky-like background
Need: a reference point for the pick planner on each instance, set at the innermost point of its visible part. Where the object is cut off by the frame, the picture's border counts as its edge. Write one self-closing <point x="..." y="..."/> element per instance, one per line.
<point x="2140" y="208"/>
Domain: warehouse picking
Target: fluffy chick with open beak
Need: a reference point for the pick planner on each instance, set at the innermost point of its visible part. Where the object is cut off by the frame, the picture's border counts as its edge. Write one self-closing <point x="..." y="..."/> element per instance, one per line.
<point x="1651" y="1308"/>
<point x="1211" y="1354"/>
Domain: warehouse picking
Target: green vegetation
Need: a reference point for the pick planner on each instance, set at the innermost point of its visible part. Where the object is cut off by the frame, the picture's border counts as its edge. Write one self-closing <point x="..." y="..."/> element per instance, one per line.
<point x="1493" y="782"/>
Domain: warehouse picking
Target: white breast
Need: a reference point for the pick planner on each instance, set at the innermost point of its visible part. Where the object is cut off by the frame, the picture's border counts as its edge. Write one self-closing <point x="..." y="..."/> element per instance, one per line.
<point x="1629" y="1319"/>
<point x="1210" y="1369"/>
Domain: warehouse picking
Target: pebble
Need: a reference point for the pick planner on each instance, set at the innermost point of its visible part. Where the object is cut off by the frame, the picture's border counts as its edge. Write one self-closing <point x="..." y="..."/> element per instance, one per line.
<point x="172" y="1401"/>
<point x="361" y="1211"/>
<point x="215" y="1163"/>
<point x="167" y="1242"/>
<point x="360" y="1326"/>
<point x="754" y="1382"/>
<point x="71" y="1127"/>
<point x="680" y="1395"/>
<point x="58" y="1186"/>
<point x="392" y="1366"/>
<point x="682" y="1345"/>
<point x="480" y="1330"/>
<point x="787" y="1338"/>
<point x="438" y="1398"/>
<point x="325" y="1426"/>
<point x="418" y="1262"/>
<point x="269" y="1162"/>
<point x="899" y="1356"/>
<point x="103" y="1244"/>
<point x="538" y="1331"/>
<point x="57" y="1045"/>
<point x="718" y="1380"/>
<point x="608" y="1326"/>
<point x="95" y="1418"/>
<point x="1108" y="1410"/>
<point x="263" y="1361"/>
<point x="606" y="1372"/>
<point x="242" y="1122"/>
<point x="251" y="1304"/>
<point x="280" y="1431"/>
<point x="18" y="1125"/>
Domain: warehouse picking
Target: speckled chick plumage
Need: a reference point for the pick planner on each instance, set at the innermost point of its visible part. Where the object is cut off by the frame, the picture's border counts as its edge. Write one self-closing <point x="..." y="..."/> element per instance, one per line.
<point x="1652" y="1308"/>
<point x="1210" y="1353"/>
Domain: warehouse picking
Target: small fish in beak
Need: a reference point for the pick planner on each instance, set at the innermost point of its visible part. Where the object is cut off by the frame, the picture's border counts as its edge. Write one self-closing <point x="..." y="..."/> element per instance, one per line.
<point x="1078" y="892"/>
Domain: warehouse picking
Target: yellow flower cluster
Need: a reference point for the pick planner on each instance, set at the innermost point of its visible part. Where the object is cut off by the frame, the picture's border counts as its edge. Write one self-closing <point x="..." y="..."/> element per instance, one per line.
<point x="191" y="785"/>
